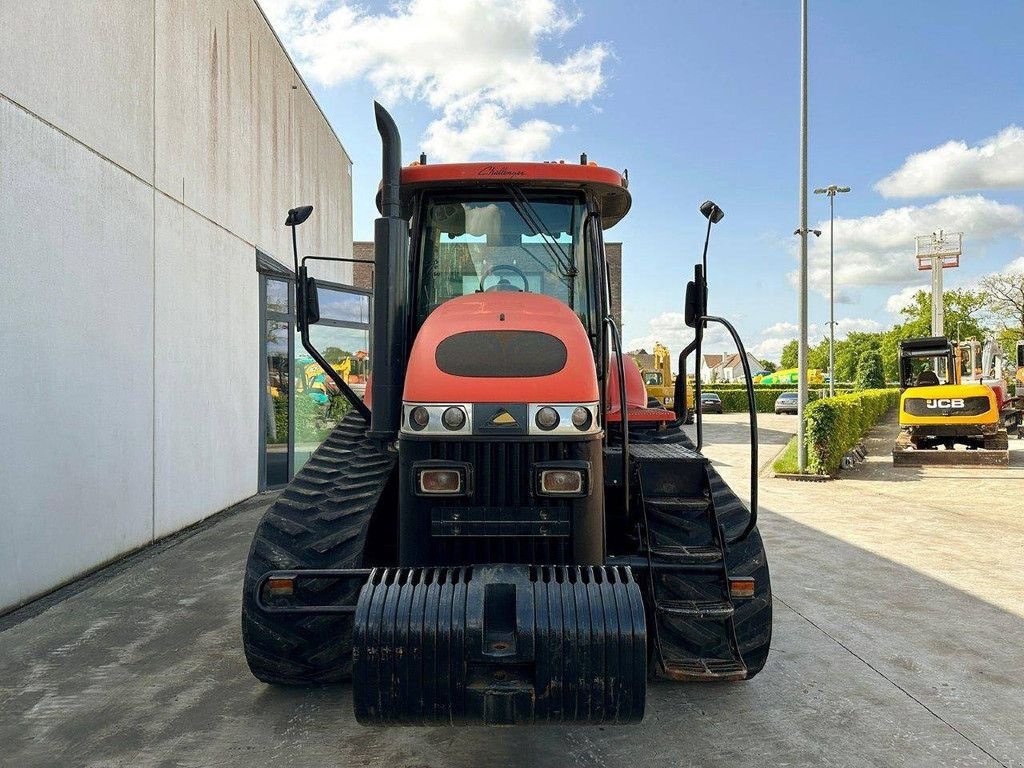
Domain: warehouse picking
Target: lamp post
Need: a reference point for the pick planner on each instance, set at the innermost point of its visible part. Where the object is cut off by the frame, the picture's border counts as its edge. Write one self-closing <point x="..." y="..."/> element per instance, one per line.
<point x="801" y="399"/>
<point x="831" y="190"/>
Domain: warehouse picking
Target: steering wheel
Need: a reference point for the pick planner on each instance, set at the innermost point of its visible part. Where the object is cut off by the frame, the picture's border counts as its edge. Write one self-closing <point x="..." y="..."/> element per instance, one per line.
<point x="504" y="284"/>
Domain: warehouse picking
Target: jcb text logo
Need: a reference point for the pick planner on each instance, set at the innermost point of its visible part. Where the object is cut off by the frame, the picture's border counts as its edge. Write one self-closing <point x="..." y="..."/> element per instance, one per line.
<point x="945" y="402"/>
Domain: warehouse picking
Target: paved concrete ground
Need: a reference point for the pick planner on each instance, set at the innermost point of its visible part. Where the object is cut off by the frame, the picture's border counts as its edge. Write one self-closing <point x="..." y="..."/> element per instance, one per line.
<point x="898" y="642"/>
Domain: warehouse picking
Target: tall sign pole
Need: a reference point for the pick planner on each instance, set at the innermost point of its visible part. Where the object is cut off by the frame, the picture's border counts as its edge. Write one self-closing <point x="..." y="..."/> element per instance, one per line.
<point x="802" y="353"/>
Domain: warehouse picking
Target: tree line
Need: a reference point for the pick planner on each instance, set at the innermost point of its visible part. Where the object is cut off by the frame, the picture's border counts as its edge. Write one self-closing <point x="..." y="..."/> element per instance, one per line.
<point x="994" y="309"/>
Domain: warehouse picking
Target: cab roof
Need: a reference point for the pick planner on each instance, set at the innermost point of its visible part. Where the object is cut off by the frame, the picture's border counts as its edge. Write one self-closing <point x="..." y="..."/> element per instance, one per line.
<point x="608" y="186"/>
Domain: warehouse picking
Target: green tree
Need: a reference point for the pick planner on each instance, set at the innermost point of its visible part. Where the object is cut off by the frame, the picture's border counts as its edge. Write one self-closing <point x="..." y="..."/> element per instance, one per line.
<point x="869" y="370"/>
<point x="817" y="356"/>
<point x="768" y="366"/>
<point x="964" y="311"/>
<point x="849" y="350"/>
<point x="1004" y="299"/>
<point x="789" y="354"/>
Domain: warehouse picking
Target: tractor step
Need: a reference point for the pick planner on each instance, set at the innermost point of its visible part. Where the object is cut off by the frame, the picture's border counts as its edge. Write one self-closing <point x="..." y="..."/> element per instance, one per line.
<point x="668" y="470"/>
<point x="682" y="555"/>
<point x="705" y="669"/>
<point x="678" y="503"/>
<point x="701" y="610"/>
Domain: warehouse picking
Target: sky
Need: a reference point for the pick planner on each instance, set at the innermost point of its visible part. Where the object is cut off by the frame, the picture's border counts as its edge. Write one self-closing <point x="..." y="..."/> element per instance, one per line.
<point x="917" y="106"/>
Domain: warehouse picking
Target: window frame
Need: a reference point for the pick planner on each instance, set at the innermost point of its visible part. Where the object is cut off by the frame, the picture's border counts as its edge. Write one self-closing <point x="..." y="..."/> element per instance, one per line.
<point x="589" y="257"/>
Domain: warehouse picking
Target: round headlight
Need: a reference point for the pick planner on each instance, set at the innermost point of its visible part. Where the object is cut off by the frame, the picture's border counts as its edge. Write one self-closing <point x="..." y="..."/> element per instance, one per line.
<point x="581" y="418"/>
<point x="453" y="418"/>
<point x="547" y="418"/>
<point x="419" y="417"/>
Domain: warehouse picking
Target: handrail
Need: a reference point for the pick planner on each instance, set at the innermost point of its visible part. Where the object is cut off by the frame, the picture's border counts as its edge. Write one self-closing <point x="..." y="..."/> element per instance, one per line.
<point x="617" y="343"/>
<point x="752" y="404"/>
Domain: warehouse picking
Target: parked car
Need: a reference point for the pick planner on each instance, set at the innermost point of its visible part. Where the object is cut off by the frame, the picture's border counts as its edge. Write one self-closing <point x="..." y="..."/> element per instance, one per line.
<point x="710" y="402"/>
<point x="786" y="403"/>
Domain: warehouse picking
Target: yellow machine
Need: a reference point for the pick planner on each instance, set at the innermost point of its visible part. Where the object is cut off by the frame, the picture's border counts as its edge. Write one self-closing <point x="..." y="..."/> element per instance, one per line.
<point x="660" y="383"/>
<point x="941" y="409"/>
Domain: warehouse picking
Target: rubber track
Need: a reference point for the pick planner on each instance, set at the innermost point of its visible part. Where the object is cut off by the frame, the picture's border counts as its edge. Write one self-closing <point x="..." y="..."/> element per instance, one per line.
<point x="319" y="521"/>
<point x="753" y="616"/>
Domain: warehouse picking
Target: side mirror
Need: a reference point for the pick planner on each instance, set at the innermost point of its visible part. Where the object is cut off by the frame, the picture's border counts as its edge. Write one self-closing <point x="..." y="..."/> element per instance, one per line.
<point x="307" y="299"/>
<point x="693" y="305"/>
<point x="1020" y="354"/>
<point x="312" y="302"/>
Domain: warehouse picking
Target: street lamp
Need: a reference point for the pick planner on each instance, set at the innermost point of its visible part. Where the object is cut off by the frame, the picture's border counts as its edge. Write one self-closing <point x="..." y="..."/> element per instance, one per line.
<point x="831" y="190"/>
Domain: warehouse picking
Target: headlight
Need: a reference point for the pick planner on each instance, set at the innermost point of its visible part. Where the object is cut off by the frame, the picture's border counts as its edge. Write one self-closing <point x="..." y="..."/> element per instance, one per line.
<point x="419" y="417"/>
<point x="547" y="418"/>
<point x="581" y="418"/>
<point x="569" y="419"/>
<point x="441" y="419"/>
<point x="453" y="418"/>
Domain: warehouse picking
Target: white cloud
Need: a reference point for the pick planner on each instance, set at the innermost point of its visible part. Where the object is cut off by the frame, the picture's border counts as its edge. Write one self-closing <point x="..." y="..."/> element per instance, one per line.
<point x="847" y="325"/>
<point x="780" y="328"/>
<point x="770" y="348"/>
<point x="671" y="330"/>
<point x="476" y="62"/>
<point x="996" y="163"/>
<point x="879" y="250"/>
<point x="1016" y="266"/>
<point x="904" y="298"/>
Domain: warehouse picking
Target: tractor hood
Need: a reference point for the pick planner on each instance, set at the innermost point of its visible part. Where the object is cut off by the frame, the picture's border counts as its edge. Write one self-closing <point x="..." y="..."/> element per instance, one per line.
<point x="501" y="347"/>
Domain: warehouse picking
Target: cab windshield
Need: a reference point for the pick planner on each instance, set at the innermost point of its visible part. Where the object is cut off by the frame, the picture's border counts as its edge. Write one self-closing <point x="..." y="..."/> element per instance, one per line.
<point x="505" y="243"/>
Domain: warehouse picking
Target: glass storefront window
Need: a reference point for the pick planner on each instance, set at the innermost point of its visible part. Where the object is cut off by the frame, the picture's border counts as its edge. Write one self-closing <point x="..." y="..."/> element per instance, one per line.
<point x="319" y="404"/>
<point x="276" y="421"/>
<point x="278" y="296"/>
<point x="300" y="403"/>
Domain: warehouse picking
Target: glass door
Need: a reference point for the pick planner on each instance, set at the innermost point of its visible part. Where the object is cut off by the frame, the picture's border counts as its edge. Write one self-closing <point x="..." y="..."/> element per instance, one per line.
<point x="276" y="397"/>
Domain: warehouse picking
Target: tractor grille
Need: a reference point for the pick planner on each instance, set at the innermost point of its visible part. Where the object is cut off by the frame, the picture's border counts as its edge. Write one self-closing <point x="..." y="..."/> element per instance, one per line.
<point x="502" y="493"/>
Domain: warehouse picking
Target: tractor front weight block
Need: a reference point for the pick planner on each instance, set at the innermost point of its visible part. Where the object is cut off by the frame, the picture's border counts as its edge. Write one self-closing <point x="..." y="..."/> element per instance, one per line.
<point x="499" y="645"/>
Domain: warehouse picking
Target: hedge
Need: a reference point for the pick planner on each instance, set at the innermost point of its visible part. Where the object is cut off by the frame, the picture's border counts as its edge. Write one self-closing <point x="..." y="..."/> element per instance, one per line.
<point x="835" y="424"/>
<point x="734" y="400"/>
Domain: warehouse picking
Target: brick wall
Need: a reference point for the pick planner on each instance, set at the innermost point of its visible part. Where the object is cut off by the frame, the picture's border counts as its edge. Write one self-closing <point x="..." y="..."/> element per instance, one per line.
<point x="362" y="274"/>
<point x="614" y="253"/>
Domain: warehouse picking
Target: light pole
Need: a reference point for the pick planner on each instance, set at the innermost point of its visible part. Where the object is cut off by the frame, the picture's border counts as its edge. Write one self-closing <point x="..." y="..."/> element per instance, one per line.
<point x="801" y="399"/>
<point x="831" y="191"/>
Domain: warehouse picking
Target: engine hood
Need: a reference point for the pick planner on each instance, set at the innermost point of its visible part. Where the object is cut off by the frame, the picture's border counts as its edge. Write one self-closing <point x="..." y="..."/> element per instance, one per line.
<point x="501" y="347"/>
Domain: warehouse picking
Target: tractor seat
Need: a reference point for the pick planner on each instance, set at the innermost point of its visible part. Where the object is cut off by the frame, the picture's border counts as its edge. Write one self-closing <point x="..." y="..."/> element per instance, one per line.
<point x="927" y="379"/>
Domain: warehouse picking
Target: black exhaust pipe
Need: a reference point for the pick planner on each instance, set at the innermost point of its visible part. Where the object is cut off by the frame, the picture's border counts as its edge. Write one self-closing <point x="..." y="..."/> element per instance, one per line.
<point x="390" y="288"/>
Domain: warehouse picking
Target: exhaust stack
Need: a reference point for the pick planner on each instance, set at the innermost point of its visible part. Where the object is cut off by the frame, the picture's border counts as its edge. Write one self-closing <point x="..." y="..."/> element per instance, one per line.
<point x="390" y="288"/>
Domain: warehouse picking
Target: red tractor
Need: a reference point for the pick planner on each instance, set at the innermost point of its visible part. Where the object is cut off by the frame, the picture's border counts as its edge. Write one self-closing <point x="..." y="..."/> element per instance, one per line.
<point x="504" y="532"/>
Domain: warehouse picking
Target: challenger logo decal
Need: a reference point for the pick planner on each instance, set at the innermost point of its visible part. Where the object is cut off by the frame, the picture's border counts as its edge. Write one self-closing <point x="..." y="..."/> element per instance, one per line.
<point x="503" y="418"/>
<point x="945" y="402"/>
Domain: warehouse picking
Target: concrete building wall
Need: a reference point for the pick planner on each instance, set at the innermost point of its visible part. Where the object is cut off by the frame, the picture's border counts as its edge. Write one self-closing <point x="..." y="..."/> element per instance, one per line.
<point x="146" y="150"/>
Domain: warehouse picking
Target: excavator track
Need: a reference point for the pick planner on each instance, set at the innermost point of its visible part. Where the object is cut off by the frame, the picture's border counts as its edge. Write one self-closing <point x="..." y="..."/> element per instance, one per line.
<point x="994" y="452"/>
